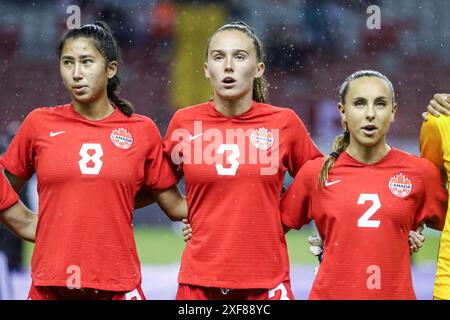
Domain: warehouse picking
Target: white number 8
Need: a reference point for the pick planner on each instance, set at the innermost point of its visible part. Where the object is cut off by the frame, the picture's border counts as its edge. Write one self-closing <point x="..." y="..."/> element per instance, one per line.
<point x="96" y="158"/>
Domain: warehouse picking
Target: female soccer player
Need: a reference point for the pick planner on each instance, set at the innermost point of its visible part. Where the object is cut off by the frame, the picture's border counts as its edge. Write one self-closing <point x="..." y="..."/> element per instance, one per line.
<point x="364" y="199"/>
<point x="14" y="214"/>
<point x="91" y="157"/>
<point x="233" y="153"/>
<point x="435" y="146"/>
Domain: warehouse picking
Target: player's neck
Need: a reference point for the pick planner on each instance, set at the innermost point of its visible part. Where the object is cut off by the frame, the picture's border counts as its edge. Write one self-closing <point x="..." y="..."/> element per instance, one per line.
<point x="366" y="154"/>
<point x="231" y="108"/>
<point x="96" y="110"/>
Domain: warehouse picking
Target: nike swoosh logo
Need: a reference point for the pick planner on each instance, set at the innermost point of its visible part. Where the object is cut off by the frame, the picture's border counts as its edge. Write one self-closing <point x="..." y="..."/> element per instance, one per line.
<point x="52" y="134"/>
<point x="330" y="183"/>
<point x="195" y="137"/>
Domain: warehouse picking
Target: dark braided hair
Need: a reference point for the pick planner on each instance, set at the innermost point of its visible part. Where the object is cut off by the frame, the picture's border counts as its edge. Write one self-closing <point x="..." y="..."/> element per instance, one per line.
<point x="106" y="44"/>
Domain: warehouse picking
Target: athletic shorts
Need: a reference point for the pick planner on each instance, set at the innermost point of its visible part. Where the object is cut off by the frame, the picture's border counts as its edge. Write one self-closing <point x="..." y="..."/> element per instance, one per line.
<point x="64" y="293"/>
<point x="191" y="292"/>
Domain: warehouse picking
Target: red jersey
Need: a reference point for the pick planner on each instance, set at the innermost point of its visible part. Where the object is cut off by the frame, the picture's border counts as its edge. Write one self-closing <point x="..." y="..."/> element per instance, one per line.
<point x="364" y="214"/>
<point x="234" y="169"/>
<point x="88" y="174"/>
<point x="7" y="195"/>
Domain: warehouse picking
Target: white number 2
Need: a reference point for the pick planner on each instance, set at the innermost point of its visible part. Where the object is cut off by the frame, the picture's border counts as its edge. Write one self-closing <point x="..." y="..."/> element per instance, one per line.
<point x="86" y="157"/>
<point x="232" y="158"/>
<point x="364" y="221"/>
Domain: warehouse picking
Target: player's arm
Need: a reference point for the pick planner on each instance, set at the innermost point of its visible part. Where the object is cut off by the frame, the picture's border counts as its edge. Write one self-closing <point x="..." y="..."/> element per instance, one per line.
<point x="301" y="147"/>
<point x="143" y="199"/>
<point x="172" y="202"/>
<point x="295" y="205"/>
<point x="433" y="208"/>
<point x="16" y="182"/>
<point x="440" y="104"/>
<point x="431" y="145"/>
<point x="18" y="218"/>
<point x="21" y="221"/>
<point x="283" y="191"/>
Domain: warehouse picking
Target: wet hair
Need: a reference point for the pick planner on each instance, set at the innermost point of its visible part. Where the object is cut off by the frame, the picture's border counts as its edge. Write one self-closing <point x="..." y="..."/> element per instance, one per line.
<point x="260" y="85"/>
<point x="342" y="141"/>
<point x="360" y="74"/>
<point x="106" y="44"/>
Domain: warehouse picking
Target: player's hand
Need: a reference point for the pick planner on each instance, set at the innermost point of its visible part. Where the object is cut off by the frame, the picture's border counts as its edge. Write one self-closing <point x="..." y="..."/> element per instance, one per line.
<point x="187" y="230"/>
<point x="316" y="248"/>
<point x="440" y="104"/>
<point x="416" y="240"/>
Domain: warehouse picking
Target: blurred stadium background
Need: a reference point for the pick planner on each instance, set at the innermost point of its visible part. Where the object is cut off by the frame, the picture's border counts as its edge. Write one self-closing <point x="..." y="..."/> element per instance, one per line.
<point x="311" y="46"/>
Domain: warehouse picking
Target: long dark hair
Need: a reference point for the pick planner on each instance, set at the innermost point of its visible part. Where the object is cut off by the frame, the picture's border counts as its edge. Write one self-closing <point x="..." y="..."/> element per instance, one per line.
<point x="260" y="85"/>
<point x="106" y="44"/>
<point x="342" y="141"/>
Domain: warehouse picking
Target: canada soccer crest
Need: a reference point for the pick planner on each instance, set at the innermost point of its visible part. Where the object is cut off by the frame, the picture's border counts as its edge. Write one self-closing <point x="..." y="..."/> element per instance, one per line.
<point x="262" y="138"/>
<point x="400" y="185"/>
<point x="122" y="138"/>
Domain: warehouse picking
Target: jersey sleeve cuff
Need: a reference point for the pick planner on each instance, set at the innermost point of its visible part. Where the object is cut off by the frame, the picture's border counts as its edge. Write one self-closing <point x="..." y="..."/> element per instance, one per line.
<point x="163" y="184"/>
<point x="288" y="222"/>
<point x="13" y="170"/>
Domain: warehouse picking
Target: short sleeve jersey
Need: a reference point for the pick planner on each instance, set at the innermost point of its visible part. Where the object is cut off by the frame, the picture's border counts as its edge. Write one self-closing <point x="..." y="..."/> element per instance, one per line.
<point x="364" y="213"/>
<point x="88" y="174"/>
<point x="234" y="169"/>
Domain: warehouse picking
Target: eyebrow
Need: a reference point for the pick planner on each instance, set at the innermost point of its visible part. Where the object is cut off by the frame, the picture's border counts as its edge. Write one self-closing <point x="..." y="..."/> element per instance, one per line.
<point x="81" y="57"/>
<point x="234" y="51"/>
<point x="377" y="98"/>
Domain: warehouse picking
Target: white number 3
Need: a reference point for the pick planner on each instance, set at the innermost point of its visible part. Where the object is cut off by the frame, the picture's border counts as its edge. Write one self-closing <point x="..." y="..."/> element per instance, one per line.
<point x="232" y="158"/>
<point x="364" y="221"/>
<point x="95" y="158"/>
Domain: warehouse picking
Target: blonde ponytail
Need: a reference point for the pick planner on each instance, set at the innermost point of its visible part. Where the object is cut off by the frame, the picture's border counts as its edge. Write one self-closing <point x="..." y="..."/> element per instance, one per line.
<point x="340" y="144"/>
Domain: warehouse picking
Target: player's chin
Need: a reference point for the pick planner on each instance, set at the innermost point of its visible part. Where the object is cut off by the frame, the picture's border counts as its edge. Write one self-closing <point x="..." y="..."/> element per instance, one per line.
<point x="231" y="94"/>
<point x="85" y="98"/>
<point x="370" y="141"/>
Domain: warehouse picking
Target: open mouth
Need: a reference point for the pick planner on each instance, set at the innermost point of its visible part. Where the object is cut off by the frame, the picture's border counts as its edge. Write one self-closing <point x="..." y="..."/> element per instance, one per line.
<point x="79" y="88"/>
<point x="228" y="81"/>
<point x="369" y="129"/>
